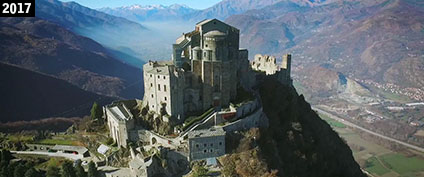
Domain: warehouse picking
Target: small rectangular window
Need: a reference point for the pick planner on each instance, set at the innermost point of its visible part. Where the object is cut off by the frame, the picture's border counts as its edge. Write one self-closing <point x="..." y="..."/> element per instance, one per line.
<point x="152" y="95"/>
<point x="165" y="99"/>
<point x="159" y="87"/>
<point x="151" y="85"/>
<point x="164" y="88"/>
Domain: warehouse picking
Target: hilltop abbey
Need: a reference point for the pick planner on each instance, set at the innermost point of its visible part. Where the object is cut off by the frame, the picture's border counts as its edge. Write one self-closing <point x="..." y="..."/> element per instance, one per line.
<point x="206" y="70"/>
<point x="192" y="101"/>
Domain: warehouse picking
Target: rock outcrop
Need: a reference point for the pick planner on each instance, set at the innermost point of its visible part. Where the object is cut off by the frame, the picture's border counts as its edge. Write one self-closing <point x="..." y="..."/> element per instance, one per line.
<point x="298" y="142"/>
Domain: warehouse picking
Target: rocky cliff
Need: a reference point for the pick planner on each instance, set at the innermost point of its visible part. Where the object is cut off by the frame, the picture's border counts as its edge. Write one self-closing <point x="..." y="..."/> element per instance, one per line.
<point x="297" y="143"/>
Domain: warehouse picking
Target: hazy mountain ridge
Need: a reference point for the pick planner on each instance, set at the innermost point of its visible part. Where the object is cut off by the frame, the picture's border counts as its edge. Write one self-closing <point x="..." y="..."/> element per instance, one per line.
<point x="74" y="16"/>
<point x="29" y="95"/>
<point x="221" y="10"/>
<point x="110" y="31"/>
<point x="41" y="46"/>
<point x="379" y="40"/>
<point x="141" y="13"/>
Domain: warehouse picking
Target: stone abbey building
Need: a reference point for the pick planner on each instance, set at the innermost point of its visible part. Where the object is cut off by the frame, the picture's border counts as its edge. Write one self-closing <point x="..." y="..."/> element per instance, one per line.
<point x="208" y="70"/>
<point x="204" y="72"/>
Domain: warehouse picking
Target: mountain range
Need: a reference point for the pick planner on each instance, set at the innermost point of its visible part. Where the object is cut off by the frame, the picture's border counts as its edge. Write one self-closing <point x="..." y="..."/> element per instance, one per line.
<point x="114" y="33"/>
<point x="381" y="40"/>
<point x="141" y="13"/>
<point x="221" y="10"/>
<point x="42" y="46"/>
<point x="62" y="69"/>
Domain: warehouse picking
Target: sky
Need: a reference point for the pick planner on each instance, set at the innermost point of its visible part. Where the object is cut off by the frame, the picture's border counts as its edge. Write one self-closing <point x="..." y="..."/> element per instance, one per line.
<point x="196" y="4"/>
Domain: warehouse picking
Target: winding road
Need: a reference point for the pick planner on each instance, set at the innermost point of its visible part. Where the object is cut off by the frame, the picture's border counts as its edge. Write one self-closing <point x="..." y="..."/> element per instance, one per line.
<point x="366" y="130"/>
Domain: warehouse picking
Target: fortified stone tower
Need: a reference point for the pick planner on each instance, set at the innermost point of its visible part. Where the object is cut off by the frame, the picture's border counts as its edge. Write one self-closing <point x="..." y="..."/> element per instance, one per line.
<point x="212" y="51"/>
<point x="203" y="73"/>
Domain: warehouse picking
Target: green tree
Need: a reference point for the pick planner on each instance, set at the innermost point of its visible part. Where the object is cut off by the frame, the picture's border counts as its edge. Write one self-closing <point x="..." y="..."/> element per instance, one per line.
<point x="68" y="170"/>
<point x="31" y="173"/>
<point x="3" y="164"/>
<point x="92" y="170"/>
<point x="6" y="156"/>
<point x="19" y="171"/>
<point x="52" y="171"/>
<point x="200" y="171"/>
<point x="80" y="170"/>
<point x="96" y="112"/>
<point x="11" y="169"/>
<point x="4" y="172"/>
<point x="109" y="141"/>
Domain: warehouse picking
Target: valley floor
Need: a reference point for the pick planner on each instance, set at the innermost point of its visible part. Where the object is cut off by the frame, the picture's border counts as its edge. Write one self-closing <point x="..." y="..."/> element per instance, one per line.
<point x="376" y="159"/>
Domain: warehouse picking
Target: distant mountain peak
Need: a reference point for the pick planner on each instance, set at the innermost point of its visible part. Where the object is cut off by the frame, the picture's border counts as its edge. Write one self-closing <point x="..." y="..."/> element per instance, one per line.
<point x="149" y="7"/>
<point x="177" y="6"/>
<point x="140" y="13"/>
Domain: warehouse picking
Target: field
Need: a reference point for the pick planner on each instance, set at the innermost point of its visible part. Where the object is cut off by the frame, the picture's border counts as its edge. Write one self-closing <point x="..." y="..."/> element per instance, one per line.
<point x="373" y="165"/>
<point x="332" y="122"/>
<point x="72" y="140"/>
<point x="58" y="142"/>
<point x="20" y="138"/>
<point x="380" y="161"/>
<point x="419" y="133"/>
<point x="403" y="165"/>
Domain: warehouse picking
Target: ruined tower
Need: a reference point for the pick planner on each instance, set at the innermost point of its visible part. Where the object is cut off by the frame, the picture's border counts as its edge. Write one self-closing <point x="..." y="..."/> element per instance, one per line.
<point x="286" y="69"/>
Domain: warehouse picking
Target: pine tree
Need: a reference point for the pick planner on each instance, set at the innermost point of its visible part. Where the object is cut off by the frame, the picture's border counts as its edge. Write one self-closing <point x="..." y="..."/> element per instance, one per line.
<point x="4" y="172"/>
<point x="6" y="156"/>
<point x="68" y="170"/>
<point x="31" y="173"/>
<point x="53" y="171"/>
<point x="19" y="171"/>
<point x="96" y="112"/>
<point x="11" y="169"/>
<point x="80" y="170"/>
<point x="92" y="170"/>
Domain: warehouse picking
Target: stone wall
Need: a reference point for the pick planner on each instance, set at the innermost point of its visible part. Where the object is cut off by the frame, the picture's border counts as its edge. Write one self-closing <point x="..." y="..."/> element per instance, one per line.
<point x="247" y="108"/>
<point x="256" y="119"/>
<point x="151" y="138"/>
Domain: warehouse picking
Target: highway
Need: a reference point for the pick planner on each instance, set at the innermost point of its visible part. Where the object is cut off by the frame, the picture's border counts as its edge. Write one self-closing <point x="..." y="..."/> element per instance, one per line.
<point x="366" y="130"/>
